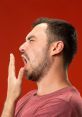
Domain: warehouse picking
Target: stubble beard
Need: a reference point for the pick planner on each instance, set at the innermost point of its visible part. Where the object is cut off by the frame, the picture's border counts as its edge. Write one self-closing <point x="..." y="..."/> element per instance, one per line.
<point x="41" y="70"/>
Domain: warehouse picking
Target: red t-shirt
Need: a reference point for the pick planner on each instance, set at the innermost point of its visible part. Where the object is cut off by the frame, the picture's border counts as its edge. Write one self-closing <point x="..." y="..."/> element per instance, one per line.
<point x="65" y="102"/>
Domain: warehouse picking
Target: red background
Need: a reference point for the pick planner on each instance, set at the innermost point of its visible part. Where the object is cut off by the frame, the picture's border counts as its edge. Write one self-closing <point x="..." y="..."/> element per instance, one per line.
<point x="16" y="17"/>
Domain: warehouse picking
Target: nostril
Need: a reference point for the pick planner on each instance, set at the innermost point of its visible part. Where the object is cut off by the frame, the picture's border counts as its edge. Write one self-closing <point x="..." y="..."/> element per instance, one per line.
<point x="22" y="50"/>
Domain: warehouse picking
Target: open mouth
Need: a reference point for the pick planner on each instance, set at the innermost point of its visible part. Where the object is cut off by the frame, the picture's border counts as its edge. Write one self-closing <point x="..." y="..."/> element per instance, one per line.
<point x="24" y="59"/>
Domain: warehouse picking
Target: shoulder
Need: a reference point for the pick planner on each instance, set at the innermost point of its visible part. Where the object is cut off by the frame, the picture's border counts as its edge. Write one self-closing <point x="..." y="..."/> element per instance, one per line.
<point x="63" y="104"/>
<point x="76" y="102"/>
<point x="71" y="102"/>
<point x="72" y="97"/>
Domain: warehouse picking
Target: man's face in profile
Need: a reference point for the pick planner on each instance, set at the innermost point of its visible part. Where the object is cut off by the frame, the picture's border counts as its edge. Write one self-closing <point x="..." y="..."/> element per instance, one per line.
<point x="35" y="53"/>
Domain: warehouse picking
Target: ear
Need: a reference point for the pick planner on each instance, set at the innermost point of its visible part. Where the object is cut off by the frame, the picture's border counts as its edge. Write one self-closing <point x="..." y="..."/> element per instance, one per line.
<point x="56" y="47"/>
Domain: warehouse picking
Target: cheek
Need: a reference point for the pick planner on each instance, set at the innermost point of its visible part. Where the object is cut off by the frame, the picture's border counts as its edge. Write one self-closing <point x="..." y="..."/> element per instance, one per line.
<point x="36" y="57"/>
<point x="37" y="54"/>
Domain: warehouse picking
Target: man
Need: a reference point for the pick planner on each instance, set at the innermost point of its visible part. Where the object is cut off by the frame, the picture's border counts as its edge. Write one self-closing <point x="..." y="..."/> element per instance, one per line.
<point x="47" y="52"/>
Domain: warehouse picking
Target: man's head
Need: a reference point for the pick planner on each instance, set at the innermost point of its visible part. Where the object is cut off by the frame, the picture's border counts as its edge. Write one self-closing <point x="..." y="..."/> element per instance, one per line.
<point x="61" y="30"/>
<point x="48" y="39"/>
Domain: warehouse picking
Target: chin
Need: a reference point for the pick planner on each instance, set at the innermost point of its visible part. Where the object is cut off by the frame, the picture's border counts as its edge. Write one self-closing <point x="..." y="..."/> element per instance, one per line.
<point x="31" y="76"/>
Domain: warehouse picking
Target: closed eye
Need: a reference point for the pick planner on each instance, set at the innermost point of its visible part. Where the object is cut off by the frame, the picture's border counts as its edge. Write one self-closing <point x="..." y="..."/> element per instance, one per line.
<point x="30" y="38"/>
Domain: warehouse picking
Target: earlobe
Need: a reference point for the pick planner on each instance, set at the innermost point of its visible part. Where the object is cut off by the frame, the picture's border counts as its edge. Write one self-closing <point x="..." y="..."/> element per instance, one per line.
<point x="57" y="47"/>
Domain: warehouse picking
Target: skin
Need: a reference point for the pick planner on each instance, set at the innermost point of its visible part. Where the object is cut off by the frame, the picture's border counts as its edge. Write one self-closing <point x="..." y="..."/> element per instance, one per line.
<point x="36" y="53"/>
<point x="13" y="85"/>
<point x="43" y="63"/>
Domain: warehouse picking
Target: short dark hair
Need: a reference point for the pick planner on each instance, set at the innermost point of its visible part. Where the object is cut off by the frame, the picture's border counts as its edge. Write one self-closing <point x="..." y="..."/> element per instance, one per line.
<point x="65" y="32"/>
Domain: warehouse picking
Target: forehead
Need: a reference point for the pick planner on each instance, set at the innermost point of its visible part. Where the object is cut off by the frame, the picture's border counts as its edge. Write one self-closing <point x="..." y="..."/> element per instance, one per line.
<point x="39" y="29"/>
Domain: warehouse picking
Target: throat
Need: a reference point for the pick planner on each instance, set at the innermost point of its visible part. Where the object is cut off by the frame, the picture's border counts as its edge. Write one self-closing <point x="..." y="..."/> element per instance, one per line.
<point x="50" y="86"/>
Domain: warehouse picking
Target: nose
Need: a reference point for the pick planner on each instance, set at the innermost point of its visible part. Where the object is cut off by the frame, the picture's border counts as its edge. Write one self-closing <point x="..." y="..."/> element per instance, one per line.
<point x="22" y="48"/>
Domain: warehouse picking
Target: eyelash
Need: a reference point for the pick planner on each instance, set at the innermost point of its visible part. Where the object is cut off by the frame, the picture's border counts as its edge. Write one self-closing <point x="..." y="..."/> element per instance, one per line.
<point x="31" y="40"/>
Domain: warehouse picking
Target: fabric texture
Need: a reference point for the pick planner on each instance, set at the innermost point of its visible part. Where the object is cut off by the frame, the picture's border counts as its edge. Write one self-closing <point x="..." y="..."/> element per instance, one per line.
<point x="65" y="102"/>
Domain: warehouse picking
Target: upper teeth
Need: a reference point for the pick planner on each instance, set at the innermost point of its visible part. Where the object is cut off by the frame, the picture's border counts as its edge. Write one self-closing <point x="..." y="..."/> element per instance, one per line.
<point x="24" y="57"/>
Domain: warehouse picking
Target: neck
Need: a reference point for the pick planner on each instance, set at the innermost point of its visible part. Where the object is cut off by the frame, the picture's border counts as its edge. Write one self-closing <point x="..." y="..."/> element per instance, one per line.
<point x="55" y="79"/>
